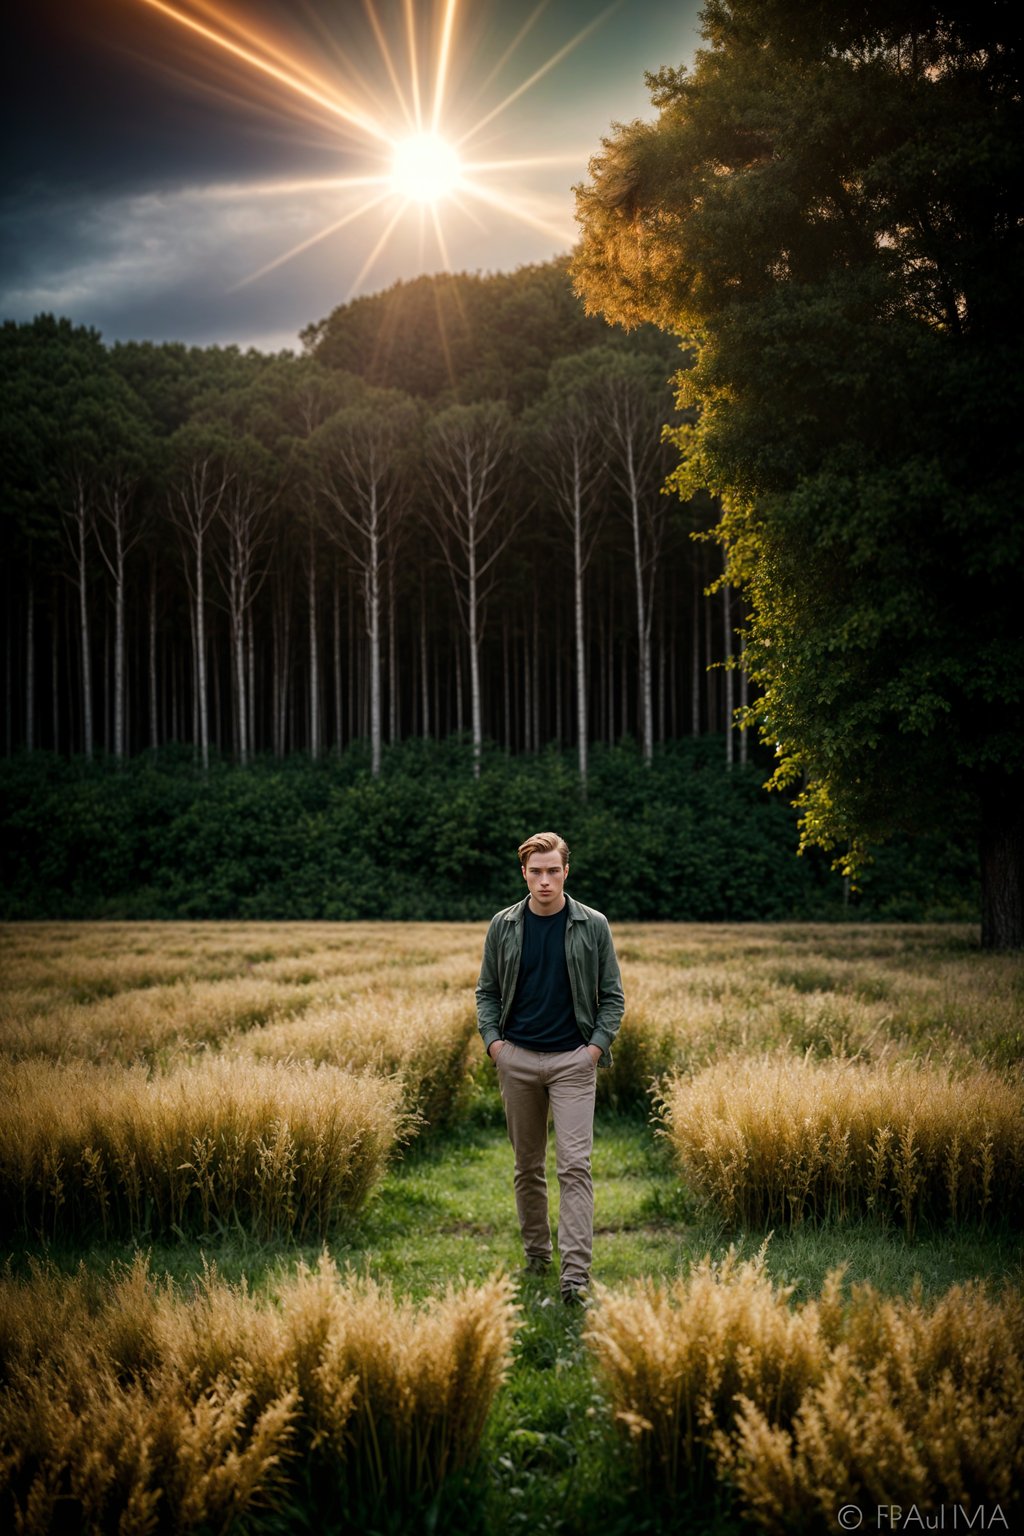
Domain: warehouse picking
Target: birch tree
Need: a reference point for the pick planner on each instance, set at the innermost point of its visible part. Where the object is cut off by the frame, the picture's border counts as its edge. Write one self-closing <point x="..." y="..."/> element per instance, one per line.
<point x="244" y="513"/>
<point x="196" y="496"/>
<point x="637" y="403"/>
<point x="469" y="451"/>
<point x="572" y="464"/>
<point x="360" y="466"/>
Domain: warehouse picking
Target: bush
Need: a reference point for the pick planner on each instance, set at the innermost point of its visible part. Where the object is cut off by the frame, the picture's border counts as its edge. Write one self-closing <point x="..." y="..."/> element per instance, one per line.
<point x="677" y="839"/>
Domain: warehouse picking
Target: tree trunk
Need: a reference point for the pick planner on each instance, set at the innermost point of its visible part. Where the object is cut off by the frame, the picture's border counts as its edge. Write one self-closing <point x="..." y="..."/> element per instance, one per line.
<point x="55" y="666"/>
<point x="1002" y="863"/>
<point x="392" y="650"/>
<point x="314" y="655"/>
<point x="81" y="524"/>
<point x="250" y="716"/>
<point x="643" y="618"/>
<point x="373" y="626"/>
<point x="119" y="664"/>
<point x="337" y="660"/>
<point x="30" y="664"/>
<point x="424" y="672"/>
<point x="154" y="728"/>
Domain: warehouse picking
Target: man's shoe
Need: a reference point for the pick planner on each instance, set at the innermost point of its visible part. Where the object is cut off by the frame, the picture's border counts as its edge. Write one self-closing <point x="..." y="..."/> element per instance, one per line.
<point x="576" y="1296"/>
<point x="536" y="1266"/>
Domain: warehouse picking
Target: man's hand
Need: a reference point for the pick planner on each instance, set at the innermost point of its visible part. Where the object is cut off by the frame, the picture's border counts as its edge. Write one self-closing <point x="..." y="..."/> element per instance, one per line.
<point x="495" y="1049"/>
<point x="595" y="1051"/>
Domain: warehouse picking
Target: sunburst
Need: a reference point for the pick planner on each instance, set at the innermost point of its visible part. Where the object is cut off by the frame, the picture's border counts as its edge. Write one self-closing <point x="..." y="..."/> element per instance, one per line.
<point x="416" y="164"/>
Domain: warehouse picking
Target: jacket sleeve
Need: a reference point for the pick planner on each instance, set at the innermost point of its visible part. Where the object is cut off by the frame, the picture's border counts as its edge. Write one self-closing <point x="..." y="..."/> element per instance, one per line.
<point x="488" y="991"/>
<point x="611" y="1003"/>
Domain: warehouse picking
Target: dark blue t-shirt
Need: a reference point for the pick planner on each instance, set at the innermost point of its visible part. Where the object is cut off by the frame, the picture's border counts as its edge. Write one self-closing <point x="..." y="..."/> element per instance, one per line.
<point x="543" y="1016"/>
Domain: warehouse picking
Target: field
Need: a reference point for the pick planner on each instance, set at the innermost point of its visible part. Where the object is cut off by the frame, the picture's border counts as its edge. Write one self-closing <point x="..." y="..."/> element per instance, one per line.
<point x="263" y="1262"/>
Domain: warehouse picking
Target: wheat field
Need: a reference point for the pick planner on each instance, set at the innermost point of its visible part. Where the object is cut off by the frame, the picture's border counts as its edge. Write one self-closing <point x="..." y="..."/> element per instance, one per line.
<point x="204" y="1084"/>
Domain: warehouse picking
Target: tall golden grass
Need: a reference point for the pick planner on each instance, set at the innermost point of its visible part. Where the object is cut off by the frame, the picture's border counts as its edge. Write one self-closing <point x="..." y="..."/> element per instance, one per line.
<point x="786" y="1139"/>
<point x="279" y="1148"/>
<point x="696" y="993"/>
<point x="423" y="1037"/>
<point x="145" y="1023"/>
<point x="127" y="1406"/>
<point x="796" y="1411"/>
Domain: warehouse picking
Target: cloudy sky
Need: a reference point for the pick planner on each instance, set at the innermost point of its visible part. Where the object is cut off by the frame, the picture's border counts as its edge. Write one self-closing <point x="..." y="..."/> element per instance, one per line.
<point x="164" y="157"/>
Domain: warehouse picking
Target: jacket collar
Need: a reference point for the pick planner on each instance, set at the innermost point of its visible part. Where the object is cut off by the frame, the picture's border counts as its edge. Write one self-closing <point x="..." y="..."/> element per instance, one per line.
<point x="577" y="913"/>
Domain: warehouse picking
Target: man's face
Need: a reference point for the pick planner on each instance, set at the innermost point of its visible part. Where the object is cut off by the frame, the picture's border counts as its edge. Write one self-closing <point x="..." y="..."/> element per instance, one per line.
<point x="545" y="874"/>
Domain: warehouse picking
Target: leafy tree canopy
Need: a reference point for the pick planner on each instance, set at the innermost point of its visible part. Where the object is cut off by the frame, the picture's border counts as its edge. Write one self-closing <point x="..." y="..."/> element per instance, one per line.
<point x="828" y="209"/>
<point x="466" y="337"/>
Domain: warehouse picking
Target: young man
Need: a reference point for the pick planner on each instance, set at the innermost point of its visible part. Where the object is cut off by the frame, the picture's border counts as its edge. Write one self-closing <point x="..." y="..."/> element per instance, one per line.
<point x="549" y="1002"/>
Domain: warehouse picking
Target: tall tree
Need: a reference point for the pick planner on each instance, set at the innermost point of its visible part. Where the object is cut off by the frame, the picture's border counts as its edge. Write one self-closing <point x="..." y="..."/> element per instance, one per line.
<point x="828" y="206"/>
<point x="569" y="422"/>
<point x="199" y="480"/>
<point x="636" y="408"/>
<point x="360" y="465"/>
<point x="468" y="452"/>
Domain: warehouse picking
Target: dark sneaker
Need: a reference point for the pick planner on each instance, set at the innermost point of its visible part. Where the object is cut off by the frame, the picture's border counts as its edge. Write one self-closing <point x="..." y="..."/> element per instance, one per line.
<point x="536" y="1266"/>
<point x="576" y="1296"/>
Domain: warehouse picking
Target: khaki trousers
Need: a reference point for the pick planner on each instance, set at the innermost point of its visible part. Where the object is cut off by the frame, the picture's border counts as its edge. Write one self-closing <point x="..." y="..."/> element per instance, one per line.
<point x="565" y="1081"/>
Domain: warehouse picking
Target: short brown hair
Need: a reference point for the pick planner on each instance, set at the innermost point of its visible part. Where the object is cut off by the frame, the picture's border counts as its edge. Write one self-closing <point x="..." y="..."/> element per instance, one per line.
<point x="544" y="842"/>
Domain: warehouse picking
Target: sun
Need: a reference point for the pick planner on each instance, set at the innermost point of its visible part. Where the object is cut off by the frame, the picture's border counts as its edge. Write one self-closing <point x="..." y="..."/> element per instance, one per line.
<point x="409" y="165"/>
<point x="425" y="169"/>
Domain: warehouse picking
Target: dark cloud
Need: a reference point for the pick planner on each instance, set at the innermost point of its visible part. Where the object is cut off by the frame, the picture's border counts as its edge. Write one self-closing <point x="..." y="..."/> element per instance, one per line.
<point x="135" y="195"/>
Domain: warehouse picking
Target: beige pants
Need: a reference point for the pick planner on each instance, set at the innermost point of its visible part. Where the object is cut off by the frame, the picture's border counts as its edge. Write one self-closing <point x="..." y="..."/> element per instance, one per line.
<point x="531" y="1082"/>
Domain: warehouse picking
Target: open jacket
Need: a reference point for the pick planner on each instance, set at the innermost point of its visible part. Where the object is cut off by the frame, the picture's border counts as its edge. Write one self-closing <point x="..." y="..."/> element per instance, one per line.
<point x="593" y="974"/>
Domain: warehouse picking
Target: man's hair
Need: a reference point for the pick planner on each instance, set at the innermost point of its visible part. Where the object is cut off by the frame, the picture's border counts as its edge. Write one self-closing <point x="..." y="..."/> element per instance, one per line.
<point x="544" y="842"/>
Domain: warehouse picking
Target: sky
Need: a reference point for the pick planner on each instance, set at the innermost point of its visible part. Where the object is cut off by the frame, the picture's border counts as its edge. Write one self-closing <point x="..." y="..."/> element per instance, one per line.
<point x="222" y="171"/>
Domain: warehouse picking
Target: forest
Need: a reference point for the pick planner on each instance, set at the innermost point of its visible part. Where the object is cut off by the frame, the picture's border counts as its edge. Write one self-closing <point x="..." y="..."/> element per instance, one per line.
<point x="446" y="516"/>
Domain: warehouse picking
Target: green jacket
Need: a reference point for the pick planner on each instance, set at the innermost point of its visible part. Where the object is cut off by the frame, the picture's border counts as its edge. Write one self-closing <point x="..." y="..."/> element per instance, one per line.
<point x="593" y="974"/>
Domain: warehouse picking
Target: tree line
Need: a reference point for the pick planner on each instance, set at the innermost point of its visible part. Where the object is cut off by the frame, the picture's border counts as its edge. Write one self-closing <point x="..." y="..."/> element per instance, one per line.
<point x="270" y="554"/>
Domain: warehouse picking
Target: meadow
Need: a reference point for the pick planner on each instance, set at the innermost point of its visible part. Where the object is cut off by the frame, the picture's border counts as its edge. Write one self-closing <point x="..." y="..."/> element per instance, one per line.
<point x="263" y="1268"/>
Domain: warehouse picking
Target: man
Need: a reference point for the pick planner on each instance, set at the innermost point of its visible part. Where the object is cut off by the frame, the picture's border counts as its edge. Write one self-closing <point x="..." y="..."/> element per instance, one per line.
<point x="549" y="1002"/>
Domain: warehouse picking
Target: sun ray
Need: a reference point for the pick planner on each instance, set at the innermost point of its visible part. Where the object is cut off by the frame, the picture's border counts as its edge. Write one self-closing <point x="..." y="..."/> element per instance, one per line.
<point x="439" y="232"/>
<point x="527" y="163"/>
<point x="534" y="16"/>
<point x="370" y="262"/>
<point x="389" y="63"/>
<point x="508" y="203"/>
<point x="333" y="104"/>
<point x="414" y="67"/>
<point x="467" y="212"/>
<point x="321" y="234"/>
<point x="538" y="74"/>
<point x="442" y="62"/>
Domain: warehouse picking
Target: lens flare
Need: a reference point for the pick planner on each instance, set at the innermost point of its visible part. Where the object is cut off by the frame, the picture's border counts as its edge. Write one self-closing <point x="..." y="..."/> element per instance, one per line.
<point x="410" y="164"/>
<point x="425" y="169"/>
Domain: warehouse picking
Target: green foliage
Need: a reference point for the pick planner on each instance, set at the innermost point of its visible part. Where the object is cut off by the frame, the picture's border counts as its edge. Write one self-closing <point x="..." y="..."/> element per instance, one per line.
<point x="823" y="209"/>
<point x="466" y="337"/>
<point x="678" y="839"/>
